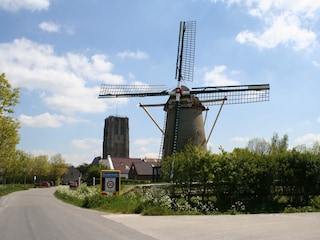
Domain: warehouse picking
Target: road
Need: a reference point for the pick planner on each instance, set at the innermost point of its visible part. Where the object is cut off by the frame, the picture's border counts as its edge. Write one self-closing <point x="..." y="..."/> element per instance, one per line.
<point x="37" y="215"/>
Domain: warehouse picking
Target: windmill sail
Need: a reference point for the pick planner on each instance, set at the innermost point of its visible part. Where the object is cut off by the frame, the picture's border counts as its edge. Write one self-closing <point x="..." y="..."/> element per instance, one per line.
<point x="114" y="91"/>
<point x="237" y="94"/>
<point x="186" y="51"/>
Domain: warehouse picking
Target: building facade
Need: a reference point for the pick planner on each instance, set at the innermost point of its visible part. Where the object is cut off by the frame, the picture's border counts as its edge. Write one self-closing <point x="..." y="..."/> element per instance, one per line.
<point x="116" y="137"/>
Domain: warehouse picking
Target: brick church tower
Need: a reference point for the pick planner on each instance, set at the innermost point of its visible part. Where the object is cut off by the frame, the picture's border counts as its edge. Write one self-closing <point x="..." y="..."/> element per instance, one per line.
<point x="116" y="137"/>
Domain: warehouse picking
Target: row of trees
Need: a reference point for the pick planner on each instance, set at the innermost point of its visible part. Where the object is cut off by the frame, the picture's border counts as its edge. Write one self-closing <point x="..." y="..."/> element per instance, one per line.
<point x="25" y="168"/>
<point x="15" y="165"/>
<point x="264" y="177"/>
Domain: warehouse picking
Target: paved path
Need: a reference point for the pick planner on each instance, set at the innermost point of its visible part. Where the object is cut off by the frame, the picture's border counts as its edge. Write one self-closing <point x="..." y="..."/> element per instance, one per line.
<point x="37" y="214"/>
<point x="300" y="226"/>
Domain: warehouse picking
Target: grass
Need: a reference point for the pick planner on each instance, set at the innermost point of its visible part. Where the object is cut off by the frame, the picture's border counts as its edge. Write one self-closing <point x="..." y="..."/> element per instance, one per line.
<point x="6" y="189"/>
<point x="154" y="202"/>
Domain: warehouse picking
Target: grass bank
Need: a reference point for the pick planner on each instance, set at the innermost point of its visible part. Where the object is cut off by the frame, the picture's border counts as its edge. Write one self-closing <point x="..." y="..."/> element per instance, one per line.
<point x="156" y="201"/>
<point x="9" y="188"/>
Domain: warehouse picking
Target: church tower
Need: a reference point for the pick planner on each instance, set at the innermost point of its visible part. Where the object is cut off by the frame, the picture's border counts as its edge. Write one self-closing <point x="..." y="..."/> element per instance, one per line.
<point x="116" y="137"/>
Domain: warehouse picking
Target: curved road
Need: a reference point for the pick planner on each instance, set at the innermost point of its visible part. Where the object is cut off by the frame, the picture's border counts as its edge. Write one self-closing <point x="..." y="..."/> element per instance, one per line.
<point x="36" y="214"/>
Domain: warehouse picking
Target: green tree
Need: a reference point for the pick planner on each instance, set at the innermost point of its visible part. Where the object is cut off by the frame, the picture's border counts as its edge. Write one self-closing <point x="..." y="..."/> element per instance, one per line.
<point x="41" y="167"/>
<point x="9" y="136"/>
<point x="279" y="145"/>
<point x="58" y="167"/>
<point x="25" y="160"/>
<point x="94" y="171"/>
<point x="9" y="97"/>
<point x="191" y="170"/>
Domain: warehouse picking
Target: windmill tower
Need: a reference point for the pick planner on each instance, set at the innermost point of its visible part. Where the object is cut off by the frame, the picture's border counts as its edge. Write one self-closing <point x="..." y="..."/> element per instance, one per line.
<point x="184" y="121"/>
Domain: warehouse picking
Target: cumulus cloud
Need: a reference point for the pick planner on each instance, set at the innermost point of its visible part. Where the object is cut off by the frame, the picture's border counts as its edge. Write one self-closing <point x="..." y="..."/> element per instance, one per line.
<point x="16" y="5"/>
<point x="87" y="143"/>
<point x="46" y="120"/>
<point x="308" y="139"/>
<point x="285" y="22"/>
<point x="135" y="55"/>
<point x="49" y="27"/>
<point x="240" y="139"/>
<point x="69" y="83"/>
<point x="315" y="63"/>
<point x="144" y="147"/>
<point x="218" y="77"/>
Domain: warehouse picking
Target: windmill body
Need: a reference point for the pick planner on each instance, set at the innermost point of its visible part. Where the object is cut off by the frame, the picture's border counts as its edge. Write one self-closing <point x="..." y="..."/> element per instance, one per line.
<point x="184" y="108"/>
<point x="190" y="123"/>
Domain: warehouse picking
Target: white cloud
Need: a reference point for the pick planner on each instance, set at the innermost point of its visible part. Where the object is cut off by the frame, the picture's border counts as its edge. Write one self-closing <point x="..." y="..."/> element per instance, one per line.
<point x="67" y="82"/>
<point x="46" y="120"/>
<point x="49" y="27"/>
<point x="146" y="141"/>
<point x="315" y="63"/>
<point x="284" y="30"/>
<point x="16" y="5"/>
<point x="240" y="139"/>
<point x="218" y="77"/>
<point x="145" y="147"/>
<point x="308" y="139"/>
<point x="136" y="55"/>
<point x="78" y="159"/>
<point x="285" y="22"/>
<point x="87" y="143"/>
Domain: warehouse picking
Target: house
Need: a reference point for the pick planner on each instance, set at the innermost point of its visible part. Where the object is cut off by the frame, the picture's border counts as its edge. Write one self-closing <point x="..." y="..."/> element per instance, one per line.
<point x="72" y="175"/>
<point x="119" y="163"/>
<point x="124" y="165"/>
<point x="149" y="171"/>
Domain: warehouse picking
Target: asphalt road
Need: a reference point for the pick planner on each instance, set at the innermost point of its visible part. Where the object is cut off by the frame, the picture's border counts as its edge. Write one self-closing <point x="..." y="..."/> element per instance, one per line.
<point x="36" y="215"/>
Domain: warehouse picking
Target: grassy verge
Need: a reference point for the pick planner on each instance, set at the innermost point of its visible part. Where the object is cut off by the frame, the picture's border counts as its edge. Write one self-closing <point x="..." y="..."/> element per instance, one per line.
<point x="156" y="201"/>
<point x="130" y="203"/>
<point x="9" y="188"/>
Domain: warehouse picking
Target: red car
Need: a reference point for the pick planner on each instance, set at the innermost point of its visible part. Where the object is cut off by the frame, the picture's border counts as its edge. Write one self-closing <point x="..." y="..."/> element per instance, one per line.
<point x="42" y="184"/>
<point x="73" y="184"/>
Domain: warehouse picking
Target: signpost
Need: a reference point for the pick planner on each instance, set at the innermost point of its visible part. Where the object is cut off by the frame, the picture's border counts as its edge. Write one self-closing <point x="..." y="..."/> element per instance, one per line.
<point x="110" y="182"/>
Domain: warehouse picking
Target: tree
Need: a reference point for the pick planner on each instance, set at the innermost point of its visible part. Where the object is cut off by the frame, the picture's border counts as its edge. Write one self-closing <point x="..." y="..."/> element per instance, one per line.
<point x="279" y="145"/>
<point x="58" y="167"/>
<point x="41" y="166"/>
<point x="25" y="160"/>
<point x="9" y="97"/>
<point x="94" y="171"/>
<point x="9" y="136"/>
<point x="190" y="170"/>
<point x="258" y="145"/>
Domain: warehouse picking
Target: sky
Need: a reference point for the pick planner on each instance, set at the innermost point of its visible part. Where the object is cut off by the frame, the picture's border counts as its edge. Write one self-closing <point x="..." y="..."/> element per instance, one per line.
<point x="59" y="52"/>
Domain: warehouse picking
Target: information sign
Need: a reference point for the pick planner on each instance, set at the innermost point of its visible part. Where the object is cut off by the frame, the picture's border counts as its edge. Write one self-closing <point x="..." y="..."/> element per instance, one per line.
<point x="110" y="181"/>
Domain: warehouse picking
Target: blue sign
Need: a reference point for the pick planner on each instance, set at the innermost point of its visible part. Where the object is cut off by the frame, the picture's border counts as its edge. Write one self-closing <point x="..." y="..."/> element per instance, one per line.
<point x="110" y="174"/>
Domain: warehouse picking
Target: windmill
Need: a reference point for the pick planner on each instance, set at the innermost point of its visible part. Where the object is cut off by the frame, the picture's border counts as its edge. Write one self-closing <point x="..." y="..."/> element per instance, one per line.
<point x="184" y="107"/>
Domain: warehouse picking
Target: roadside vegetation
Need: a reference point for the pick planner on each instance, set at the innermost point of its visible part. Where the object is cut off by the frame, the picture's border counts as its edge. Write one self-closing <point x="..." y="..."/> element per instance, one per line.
<point x="7" y="189"/>
<point x="261" y="178"/>
<point x="17" y="166"/>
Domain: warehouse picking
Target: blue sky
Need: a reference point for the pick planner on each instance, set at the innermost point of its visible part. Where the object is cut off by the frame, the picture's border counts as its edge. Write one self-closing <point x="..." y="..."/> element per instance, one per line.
<point x="59" y="52"/>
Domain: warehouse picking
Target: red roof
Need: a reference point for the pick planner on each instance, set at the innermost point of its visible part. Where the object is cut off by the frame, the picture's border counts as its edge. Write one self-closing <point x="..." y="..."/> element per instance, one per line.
<point x="123" y="164"/>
